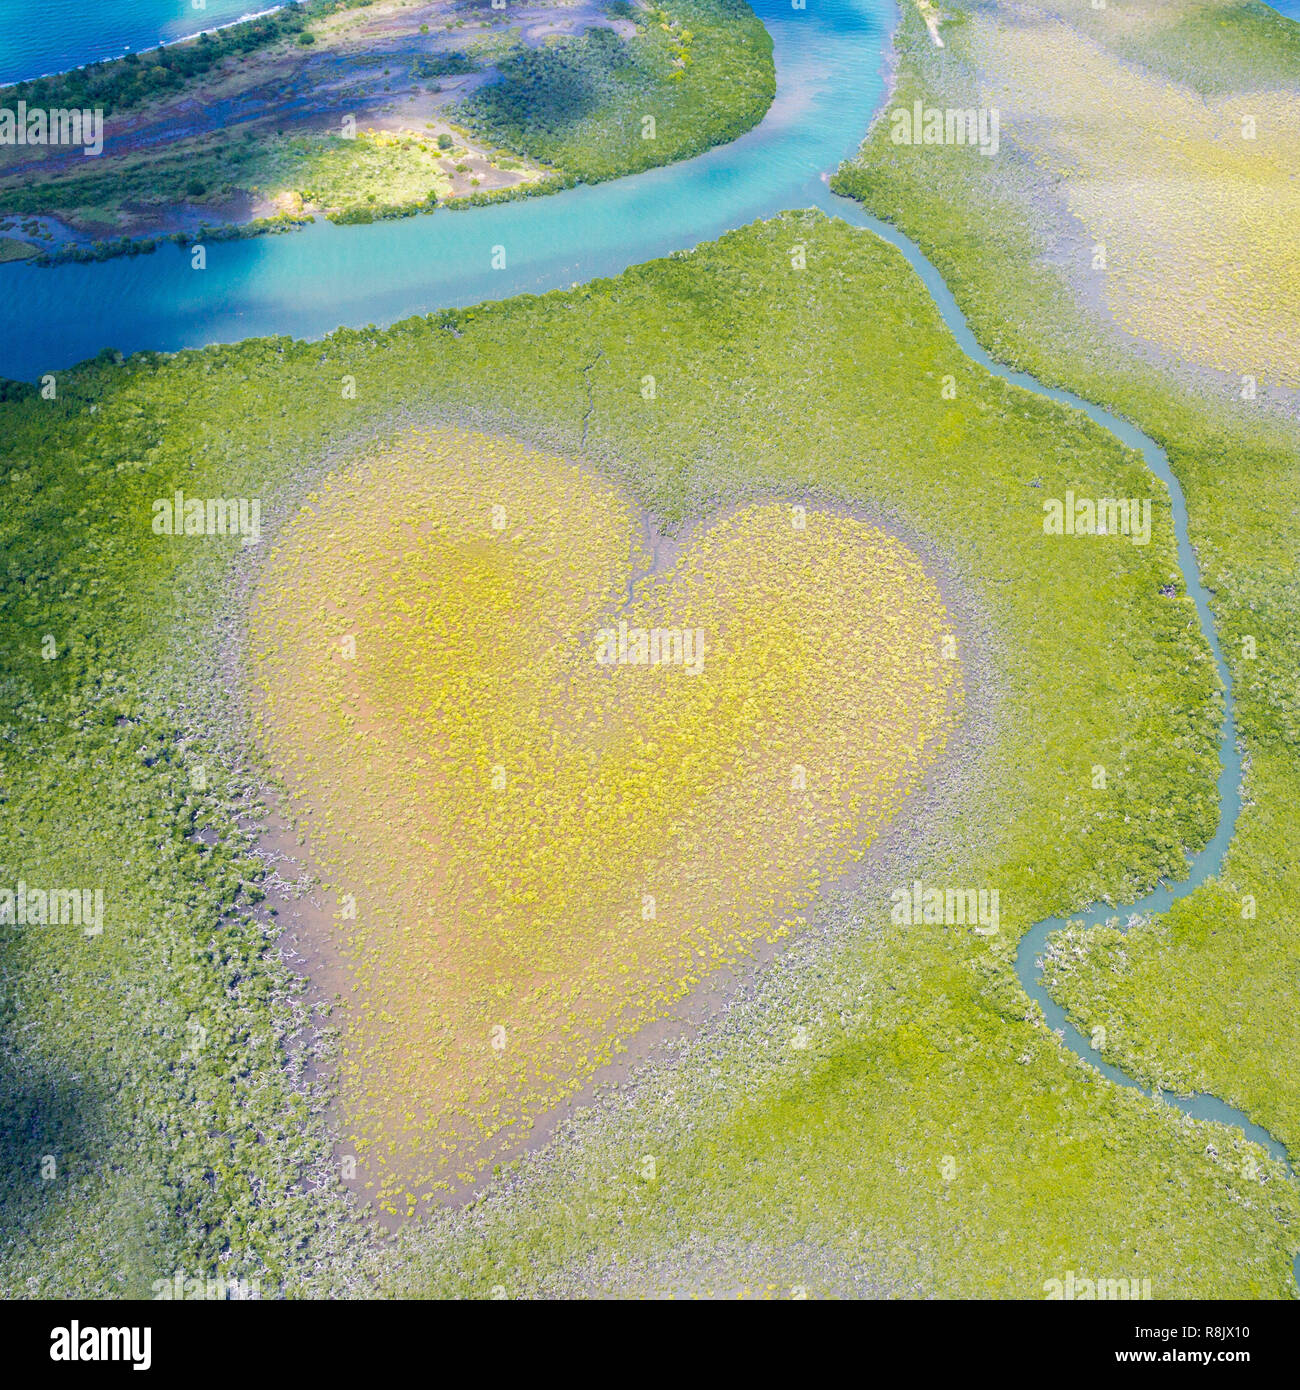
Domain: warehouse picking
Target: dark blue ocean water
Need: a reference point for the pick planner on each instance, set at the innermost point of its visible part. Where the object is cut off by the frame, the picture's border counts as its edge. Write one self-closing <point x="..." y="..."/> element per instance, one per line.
<point x="830" y="61"/>
<point x="830" y="73"/>
<point x="40" y="36"/>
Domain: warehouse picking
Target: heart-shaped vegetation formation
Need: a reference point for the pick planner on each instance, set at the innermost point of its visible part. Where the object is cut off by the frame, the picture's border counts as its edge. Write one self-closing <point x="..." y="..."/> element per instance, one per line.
<point x="560" y="799"/>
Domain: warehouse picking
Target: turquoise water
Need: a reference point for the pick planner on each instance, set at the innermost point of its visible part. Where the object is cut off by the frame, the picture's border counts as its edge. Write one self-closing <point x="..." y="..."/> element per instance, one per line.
<point x="830" y="69"/>
<point x="830" y="75"/>
<point x="1200" y="867"/>
<point x="1208" y="862"/>
<point x="1205" y="864"/>
<point x="40" y="36"/>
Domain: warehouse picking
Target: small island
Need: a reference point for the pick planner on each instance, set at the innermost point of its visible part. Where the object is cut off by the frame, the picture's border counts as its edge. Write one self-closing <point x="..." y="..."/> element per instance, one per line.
<point x="364" y="109"/>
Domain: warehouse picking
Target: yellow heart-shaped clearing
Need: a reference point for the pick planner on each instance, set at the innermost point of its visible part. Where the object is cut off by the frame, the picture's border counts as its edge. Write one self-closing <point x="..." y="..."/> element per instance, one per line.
<point x="559" y="798"/>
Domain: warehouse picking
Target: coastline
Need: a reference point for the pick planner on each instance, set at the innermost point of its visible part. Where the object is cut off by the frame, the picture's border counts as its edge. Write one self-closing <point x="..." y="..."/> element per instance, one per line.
<point x="151" y="48"/>
<point x="406" y="146"/>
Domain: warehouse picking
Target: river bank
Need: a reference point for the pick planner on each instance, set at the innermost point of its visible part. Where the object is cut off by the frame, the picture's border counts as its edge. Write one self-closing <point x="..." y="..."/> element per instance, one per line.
<point x="884" y="1110"/>
<point x="1123" y="974"/>
<point x="382" y="111"/>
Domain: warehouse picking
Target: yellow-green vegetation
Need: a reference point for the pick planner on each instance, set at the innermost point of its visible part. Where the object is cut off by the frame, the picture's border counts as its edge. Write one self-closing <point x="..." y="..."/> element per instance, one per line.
<point x="388" y="115"/>
<point x="1203" y="997"/>
<point x="375" y="173"/>
<point x="381" y="169"/>
<point x="11" y="249"/>
<point x="700" y="70"/>
<point x="549" y="848"/>
<point x="1193" y="196"/>
<point x="882" y="1108"/>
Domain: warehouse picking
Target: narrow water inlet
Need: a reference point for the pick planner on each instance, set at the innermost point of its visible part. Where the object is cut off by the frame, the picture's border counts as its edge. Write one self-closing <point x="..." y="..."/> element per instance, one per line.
<point x="829" y="81"/>
<point x="1210" y="859"/>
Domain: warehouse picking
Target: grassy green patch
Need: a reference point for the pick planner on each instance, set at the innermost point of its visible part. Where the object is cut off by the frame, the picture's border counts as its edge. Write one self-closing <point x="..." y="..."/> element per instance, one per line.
<point x="11" y="249"/>
<point x="886" y="1110"/>
<point x="118" y="84"/>
<point x="1222" y="47"/>
<point x="695" y="74"/>
<point x="699" y="70"/>
<point x="1203" y="999"/>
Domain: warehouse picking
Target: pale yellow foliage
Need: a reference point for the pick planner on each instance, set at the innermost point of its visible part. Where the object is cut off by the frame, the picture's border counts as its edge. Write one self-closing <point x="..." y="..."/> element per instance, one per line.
<point x="503" y="806"/>
<point x="1198" y="221"/>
